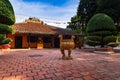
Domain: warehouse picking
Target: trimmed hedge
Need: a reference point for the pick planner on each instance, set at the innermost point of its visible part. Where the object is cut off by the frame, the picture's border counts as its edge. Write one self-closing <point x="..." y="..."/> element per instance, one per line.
<point x="5" y="29"/>
<point x="109" y="39"/>
<point x="100" y="22"/>
<point x="93" y="40"/>
<point x="99" y="33"/>
<point x="101" y="30"/>
<point x="6" y="41"/>
<point x="6" y="13"/>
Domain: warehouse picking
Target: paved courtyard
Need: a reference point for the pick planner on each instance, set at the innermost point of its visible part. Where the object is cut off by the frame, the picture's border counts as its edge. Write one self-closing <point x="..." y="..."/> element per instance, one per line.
<point x="46" y="64"/>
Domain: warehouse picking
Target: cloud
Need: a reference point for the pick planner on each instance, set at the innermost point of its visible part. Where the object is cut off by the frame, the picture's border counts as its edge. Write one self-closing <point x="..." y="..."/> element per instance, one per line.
<point x="44" y="11"/>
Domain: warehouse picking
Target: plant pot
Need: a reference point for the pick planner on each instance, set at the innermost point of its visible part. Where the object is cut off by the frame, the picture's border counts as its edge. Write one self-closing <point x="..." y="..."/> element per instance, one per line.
<point x="5" y="47"/>
<point x="104" y="50"/>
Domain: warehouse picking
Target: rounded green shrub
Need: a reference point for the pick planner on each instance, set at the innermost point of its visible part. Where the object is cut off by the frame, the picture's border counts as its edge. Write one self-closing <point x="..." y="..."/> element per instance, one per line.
<point x="93" y="40"/>
<point x="6" y="40"/>
<point x="102" y="26"/>
<point x="6" y="13"/>
<point x="109" y="39"/>
<point x="5" y="29"/>
<point x="101" y="23"/>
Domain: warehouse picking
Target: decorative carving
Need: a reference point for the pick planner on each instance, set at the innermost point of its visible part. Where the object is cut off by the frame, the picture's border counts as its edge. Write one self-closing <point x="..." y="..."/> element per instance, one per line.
<point x="66" y="44"/>
<point x="34" y="20"/>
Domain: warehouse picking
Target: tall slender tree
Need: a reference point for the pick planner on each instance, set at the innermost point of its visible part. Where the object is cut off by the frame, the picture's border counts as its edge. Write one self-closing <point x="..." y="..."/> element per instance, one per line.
<point x="87" y="8"/>
<point x="74" y="23"/>
<point x="111" y="8"/>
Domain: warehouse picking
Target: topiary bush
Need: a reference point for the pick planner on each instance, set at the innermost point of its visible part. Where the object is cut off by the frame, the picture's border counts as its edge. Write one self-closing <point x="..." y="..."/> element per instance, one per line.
<point x="6" y="13"/>
<point x="4" y="40"/>
<point x="7" y="19"/>
<point x="100" y="30"/>
<point x="5" y="29"/>
<point x="109" y="39"/>
<point x="92" y="40"/>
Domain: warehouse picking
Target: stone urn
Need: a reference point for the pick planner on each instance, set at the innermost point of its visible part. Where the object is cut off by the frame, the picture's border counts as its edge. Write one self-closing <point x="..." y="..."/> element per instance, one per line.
<point x="66" y="44"/>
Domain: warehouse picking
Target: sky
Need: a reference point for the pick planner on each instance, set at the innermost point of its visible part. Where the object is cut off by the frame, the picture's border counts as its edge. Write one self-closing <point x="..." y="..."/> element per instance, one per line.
<point x="52" y="12"/>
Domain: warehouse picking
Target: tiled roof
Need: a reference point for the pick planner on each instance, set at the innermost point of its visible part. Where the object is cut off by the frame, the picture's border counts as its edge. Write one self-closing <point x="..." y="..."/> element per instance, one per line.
<point x="37" y="28"/>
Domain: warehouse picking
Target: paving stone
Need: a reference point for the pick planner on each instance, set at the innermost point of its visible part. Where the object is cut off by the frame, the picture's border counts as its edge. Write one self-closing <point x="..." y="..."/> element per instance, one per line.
<point x="17" y="65"/>
<point x="28" y="78"/>
<point x="88" y="78"/>
<point x="49" y="76"/>
<point x="31" y="74"/>
<point x="21" y="76"/>
<point x="39" y="77"/>
<point x="59" y="74"/>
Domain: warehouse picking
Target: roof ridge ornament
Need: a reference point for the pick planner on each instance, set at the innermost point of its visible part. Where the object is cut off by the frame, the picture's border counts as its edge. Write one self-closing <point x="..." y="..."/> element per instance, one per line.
<point x="34" y="20"/>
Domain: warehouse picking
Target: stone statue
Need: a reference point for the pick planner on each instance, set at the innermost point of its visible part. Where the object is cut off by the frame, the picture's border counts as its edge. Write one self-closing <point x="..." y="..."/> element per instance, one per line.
<point x="66" y="44"/>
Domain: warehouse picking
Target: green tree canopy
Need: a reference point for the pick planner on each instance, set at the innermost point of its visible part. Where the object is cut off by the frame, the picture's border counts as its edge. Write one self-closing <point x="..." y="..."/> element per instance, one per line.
<point x="111" y="8"/>
<point x="87" y="8"/>
<point x="73" y="24"/>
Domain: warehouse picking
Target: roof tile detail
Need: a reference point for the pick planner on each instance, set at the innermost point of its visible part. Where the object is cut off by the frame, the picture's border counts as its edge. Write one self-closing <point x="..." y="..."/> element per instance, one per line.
<point x="37" y="28"/>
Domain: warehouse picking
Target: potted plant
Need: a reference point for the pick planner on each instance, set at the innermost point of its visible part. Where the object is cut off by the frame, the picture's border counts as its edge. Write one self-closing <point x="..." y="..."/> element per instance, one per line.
<point x="100" y="32"/>
<point x="79" y="42"/>
<point x="5" y="43"/>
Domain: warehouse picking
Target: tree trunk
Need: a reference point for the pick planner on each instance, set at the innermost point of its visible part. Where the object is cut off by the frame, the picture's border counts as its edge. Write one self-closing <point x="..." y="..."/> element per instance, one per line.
<point x="102" y="43"/>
